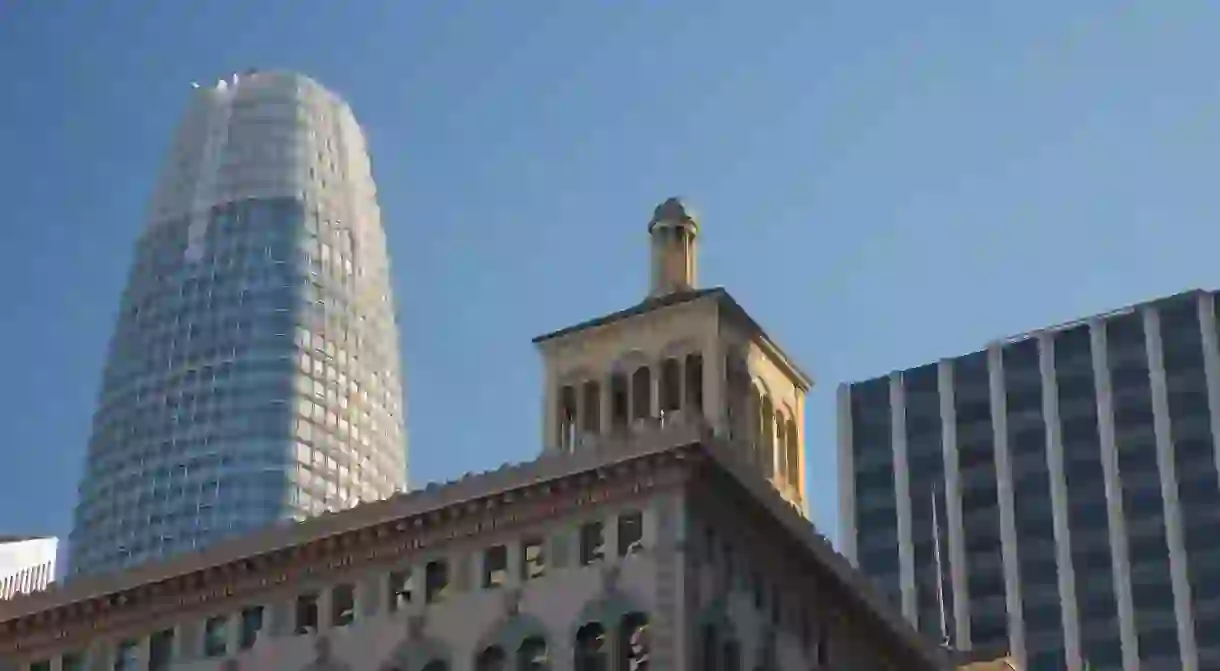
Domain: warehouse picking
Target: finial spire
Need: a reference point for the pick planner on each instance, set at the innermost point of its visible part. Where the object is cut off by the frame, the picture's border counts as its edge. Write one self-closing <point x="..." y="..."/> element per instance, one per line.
<point x="673" y="231"/>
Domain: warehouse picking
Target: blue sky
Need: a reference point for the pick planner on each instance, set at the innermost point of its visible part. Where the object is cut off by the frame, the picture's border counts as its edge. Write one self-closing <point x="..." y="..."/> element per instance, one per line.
<point x="880" y="184"/>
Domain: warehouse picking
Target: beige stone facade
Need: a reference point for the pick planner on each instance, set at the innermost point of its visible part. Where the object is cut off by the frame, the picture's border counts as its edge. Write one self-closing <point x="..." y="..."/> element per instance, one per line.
<point x="1000" y="664"/>
<point x="670" y="541"/>
<point x="682" y="353"/>
<point x="664" y="526"/>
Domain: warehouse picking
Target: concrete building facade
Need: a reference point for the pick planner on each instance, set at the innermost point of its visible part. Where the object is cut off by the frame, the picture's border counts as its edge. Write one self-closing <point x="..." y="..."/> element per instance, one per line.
<point x="27" y="564"/>
<point x="254" y="374"/>
<point x="674" y="540"/>
<point x="1054" y="494"/>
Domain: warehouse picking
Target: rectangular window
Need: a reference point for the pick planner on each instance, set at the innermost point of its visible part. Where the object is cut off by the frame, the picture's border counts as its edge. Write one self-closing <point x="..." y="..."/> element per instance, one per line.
<point x="436" y="581"/>
<point x="70" y="662"/>
<point x="630" y="533"/>
<point x="126" y="655"/>
<point x="729" y="566"/>
<point x="160" y="650"/>
<point x="342" y="605"/>
<point x="41" y="665"/>
<point x="776" y="605"/>
<point x="823" y="643"/>
<point x="401" y="587"/>
<point x="251" y="625"/>
<point x="306" y="614"/>
<point x="216" y="636"/>
<point x="592" y="543"/>
<point x="533" y="559"/>
<point x="495" y="566"/>
<point x="806" y="635"/>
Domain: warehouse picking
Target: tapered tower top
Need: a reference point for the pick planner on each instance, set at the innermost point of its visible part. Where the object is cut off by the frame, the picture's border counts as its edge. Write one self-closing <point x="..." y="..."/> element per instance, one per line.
<point x="673" y="231"/>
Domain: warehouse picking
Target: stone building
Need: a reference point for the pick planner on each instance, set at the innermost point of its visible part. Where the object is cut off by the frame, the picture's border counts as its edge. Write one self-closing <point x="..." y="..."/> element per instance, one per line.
<point x="989" y="663"/>
<point x="27" y="564"/>
<point x="663" y="527"/>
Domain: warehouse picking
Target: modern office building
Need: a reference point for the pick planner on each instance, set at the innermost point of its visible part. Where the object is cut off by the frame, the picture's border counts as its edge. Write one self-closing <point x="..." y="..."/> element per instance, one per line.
<point x="1056" y="492"/>
<point x="27" y="564"/>
<point x="253" y="374"/>
<point x="648" y="534"/>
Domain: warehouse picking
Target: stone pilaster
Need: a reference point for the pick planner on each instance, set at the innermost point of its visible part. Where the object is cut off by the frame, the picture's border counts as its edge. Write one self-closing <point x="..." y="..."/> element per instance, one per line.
<point x="668" y="645"/>
<point x="372" y="593"/>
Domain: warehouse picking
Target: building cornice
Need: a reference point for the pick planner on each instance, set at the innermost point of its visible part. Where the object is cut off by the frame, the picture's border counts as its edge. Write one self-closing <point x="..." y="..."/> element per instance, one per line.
<point x="378" y="534"/>
<point x="365" y="536"/>
<point x="722" y="297"/>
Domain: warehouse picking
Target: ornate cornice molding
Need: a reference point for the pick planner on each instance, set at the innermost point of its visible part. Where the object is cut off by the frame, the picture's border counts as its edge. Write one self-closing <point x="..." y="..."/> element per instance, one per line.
<point x="329" y="556"/>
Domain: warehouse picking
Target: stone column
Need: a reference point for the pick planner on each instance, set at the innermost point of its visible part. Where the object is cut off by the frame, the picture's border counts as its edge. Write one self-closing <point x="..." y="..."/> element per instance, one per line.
<point x="279" y="614"/>
<point x="550" y="414"/>
<point x="654" y="379"/>
<point x="513" y="565"/>
<point x="325" y="599"/>
<point x="372" y="595"/>
<point x="233" y="634"/>
<point x="607" y="400"/>
<point x="578" y="414"/>
<point x="685" y="411"/>
<point x="614" y="638"/>
<point x="559" y="548"/>
<point x="186" y="640"/>
<point x="715" y="384"/>
<point x="610" y="537"/>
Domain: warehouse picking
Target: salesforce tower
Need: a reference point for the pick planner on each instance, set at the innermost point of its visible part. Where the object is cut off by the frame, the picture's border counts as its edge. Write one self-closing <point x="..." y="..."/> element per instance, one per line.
<point x="253" y="375"/>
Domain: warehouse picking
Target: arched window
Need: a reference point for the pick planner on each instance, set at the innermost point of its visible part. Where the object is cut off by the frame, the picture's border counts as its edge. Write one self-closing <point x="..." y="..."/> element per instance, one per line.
<point x="436" y="665"/>
<point x="732" y="656"/>
<point x="671" y="386"/>
<point x="591" y="653"/>
<point x="694" y="383"/>
<point x="781" y="437"/>
<point x="641" y="393"/>
<point x="766" y="427"/>
<point x="822" y="654"/>
<point x="491" y="659"/>
<point x="794" y="457"/>
<point x="619" y="410"/>
<point x="634" y="644"/>
<point x="754" y="419"/>
<point x="591" y="408"/>
<point x="567" y="417"/>
<point x="532" y="655"/>
<point x="734" y="399"/>
<point x="767" y="658"/>
<point x="708" y="648"/>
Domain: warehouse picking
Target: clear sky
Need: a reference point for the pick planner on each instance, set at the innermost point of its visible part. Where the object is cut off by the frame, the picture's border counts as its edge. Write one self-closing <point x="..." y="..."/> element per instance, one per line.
<point x="880" y="183"/>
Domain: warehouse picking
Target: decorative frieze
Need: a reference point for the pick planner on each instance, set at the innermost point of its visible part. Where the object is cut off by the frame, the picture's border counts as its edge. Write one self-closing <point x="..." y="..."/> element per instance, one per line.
<point x="364" y="548"/>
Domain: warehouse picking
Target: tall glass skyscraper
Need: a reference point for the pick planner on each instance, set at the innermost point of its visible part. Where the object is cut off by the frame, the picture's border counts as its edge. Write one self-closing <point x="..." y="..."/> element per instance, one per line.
<point x="253" y="375"/>
<point x="1055" y="494"/>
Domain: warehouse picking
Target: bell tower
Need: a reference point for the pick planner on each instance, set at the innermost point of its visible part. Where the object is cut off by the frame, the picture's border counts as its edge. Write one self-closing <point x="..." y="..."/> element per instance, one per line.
<point x="673" y="231"/>
<point x="684" y="355"/>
